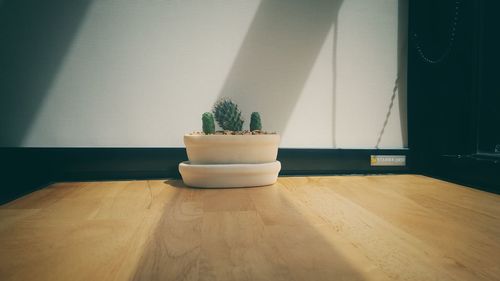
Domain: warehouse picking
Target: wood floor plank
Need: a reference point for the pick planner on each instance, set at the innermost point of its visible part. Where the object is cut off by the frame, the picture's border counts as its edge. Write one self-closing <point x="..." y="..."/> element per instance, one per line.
<point x="130" y="199"/>
<point x="395" y="227"/>
<point x="173" y="251"/>
<point x="276" y="207"/>
<point x="396" y="252"/>
<point x="234" y="248"/>
<point x="227" y="200"/>
<point x="434" y="220"/>
<point x="9" y="217"/>
<point x="44" y="197"/>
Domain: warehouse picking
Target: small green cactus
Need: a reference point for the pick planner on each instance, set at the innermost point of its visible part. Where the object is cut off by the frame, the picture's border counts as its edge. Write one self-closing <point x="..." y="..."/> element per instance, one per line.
<point x="208" y="123"/>
<point x="228" y="115"/>
<point x="255" y="123"/>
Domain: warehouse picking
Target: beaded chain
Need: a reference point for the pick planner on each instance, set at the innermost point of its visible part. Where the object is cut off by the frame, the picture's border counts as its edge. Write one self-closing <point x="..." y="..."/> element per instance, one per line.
<point x="450" y="42"/>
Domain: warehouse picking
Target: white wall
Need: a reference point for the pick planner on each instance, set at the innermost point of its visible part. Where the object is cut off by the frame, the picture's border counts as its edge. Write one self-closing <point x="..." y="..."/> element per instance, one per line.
<point x="141" y="72"/>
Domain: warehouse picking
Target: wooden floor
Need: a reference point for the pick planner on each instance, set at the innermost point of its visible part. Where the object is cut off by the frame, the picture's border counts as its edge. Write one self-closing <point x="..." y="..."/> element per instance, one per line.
<point x="403" y="227"/>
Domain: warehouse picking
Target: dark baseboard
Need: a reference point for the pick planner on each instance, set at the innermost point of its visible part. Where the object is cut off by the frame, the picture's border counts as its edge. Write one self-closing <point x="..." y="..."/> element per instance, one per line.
<point x="337" y="161"/>
<point x="28" y="169"/>
<point x="475" y="170"/>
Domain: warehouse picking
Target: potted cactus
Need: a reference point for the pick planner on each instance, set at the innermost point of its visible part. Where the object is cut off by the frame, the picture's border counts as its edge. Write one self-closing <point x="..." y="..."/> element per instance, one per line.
<point x="231" y="157"/>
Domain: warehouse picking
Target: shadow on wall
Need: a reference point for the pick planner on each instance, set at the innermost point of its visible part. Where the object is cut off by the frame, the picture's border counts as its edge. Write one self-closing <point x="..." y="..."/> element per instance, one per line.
<point x="400" y="83"/>
<point x="35" y="36"/>
<point x="402" y="68"/>
<point x="278" y="54"/>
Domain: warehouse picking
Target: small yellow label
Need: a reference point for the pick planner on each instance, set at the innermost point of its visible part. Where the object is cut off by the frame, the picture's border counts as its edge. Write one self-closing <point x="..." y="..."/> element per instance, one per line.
<point x="387" y="160"/>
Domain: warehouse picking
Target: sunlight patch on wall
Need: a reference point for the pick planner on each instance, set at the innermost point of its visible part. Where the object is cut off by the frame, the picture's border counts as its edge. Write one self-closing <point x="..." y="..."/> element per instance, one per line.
<point x="312" y="120"/>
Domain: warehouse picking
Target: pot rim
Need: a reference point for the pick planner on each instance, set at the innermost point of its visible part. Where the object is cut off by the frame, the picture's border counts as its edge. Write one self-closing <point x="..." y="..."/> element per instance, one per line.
<point x="229" y="166"/>
<point x="238" y="140"/>
<point x="212" y="136"/>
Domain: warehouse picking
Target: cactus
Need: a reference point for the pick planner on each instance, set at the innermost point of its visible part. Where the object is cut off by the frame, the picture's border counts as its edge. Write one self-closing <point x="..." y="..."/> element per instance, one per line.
<point x="228" y="115"/>
<point x="208" y="123"/>
<point x="255" y="123"/>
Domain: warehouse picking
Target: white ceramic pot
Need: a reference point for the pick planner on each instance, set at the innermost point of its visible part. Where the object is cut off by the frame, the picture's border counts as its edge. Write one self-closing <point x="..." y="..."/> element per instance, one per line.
<point x="232" y="149"/>
<point x="231" y="175"/>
